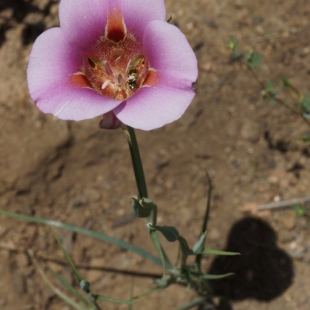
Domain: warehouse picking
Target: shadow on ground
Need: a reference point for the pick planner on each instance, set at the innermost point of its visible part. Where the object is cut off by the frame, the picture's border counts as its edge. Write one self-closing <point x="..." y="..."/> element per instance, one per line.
<point x="262" y="271"/>
<point x="20" y="9"/>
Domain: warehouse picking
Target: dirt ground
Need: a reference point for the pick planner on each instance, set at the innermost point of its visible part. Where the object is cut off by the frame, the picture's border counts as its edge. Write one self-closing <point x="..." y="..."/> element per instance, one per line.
<point x="75" y="173"/>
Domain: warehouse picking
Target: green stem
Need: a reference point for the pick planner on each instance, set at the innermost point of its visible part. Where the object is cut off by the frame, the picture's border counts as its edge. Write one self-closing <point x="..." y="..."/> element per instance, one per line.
<point x="295" y="91"/>
<point x="141" y="184"/>
<point x="154" y="217"/>
<point x="192" y="304"/>
<point x="205" y="220"/>
<point x="292" y="110"/>
<point x="137" y="163"/>
<point x="291" y="87"/>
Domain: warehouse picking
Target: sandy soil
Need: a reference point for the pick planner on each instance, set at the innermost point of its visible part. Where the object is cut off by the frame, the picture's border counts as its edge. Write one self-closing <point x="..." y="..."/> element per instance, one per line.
<point x="76" y="173"/>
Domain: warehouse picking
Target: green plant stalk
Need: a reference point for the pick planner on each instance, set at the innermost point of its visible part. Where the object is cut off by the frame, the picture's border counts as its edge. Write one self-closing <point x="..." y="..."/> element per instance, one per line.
<point x="68" y="259"/>
<point x="142" y="189"/>
<point x="137" y="163"/>
<point x="56" y="291"/>
<point x="204" y="285"/>
<point x="86" y="232"/>
<point x="205" y="220"/>
<point x="295" y="91"/>
<point x="250" y="69"/>
<point x="130" y="306"/>
<point x="67" y="285"/>
<point x="154" y="216"/>
<point x="292" y="110"/>
<point x="192" y="304"/>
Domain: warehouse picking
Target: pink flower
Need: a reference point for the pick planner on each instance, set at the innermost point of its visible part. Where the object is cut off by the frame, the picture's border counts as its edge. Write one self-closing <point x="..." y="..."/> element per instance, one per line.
<point x="119" y="58"/>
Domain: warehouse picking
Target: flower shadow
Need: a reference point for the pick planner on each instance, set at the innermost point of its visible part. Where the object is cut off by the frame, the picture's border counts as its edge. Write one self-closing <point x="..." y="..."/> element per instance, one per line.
<point x="262" y="271"/>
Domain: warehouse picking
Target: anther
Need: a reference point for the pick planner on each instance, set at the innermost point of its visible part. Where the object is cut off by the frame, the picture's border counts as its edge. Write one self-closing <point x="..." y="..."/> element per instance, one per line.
<point x="120" y="79"/>
<point x="107" y="67"/>
<point x="105" y="84"/>
<point x="117" y="61"/>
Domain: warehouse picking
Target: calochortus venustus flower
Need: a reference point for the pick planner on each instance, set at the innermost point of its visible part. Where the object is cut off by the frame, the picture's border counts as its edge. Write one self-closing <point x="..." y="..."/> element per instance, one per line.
<point x="117" y="58"/>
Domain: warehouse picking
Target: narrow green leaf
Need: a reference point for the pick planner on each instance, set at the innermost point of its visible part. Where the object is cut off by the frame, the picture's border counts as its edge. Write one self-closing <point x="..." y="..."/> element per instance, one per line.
<point x="156" y="242"/>
<point x="306" y="103"/>
<point x="153" y="290"/>
<point x="169" y="232"/>
<point x="218" y="252"/>
<point x="130" y="306"/>
<point x="69" y="301"/>
<point x="69" y="260"/>
<point x="208" y="206"/>
<point x="198" y="247"/>
<point x="184" y="245"/>
<point x="116" y="301"/>
<point x="86" y="232"/>
<point x="193" y="303"/>
<point x="216" y="276"/>
<point x="185" y="250"/>
<point x="205" y="219"/>
<point x="67" y="285"/>
<point x="57" y="291"/>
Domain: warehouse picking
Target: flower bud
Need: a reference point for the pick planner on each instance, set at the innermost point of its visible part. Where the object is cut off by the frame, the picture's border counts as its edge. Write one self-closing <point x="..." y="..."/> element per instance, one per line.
<point x="142" y="207"/>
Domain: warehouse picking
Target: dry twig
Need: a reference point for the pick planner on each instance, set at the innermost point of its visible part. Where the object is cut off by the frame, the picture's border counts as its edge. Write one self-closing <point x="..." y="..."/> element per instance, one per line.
<point x="282" y="204"/>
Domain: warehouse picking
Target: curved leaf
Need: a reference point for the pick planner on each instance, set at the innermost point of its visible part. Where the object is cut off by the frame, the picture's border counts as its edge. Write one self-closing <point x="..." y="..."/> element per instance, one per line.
<point x="169" y="232"/>
<point x="86" y="232"/>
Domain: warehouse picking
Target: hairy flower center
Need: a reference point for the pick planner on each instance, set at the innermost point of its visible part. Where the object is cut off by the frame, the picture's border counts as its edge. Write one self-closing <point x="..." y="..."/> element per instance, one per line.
<point x="116" y="69"/>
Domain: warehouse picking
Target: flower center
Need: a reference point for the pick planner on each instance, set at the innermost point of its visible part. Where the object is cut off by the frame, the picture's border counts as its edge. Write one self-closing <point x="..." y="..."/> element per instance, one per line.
<point x="116" y="70"/>
<point x="116" y="65"/>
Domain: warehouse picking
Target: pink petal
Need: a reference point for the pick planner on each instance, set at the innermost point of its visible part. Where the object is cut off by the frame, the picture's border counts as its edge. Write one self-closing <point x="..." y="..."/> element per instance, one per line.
<point x="171" y="55"/>
<point x="52" y="61"/>
<point x="138" y="13"/>
<point x="83" y="21"/>
<point x="154" y="107"/>
<point x="169" y="51"/>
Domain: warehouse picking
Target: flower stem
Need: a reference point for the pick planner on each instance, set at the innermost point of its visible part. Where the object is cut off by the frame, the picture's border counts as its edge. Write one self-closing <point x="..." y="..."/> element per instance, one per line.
<point x="141" y="184"/>
<point x="136" y="162"/>
<point x="291" y="87"/>
<point x="192" y="303"/>
<point x="205" y="220"/>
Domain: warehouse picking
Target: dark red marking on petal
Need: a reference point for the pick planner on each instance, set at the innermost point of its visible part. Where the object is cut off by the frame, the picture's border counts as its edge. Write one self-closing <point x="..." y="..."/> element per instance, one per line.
<point x="79" y="80"/>
<point x="116" y="29"/>
<point x="151" y="78"/>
